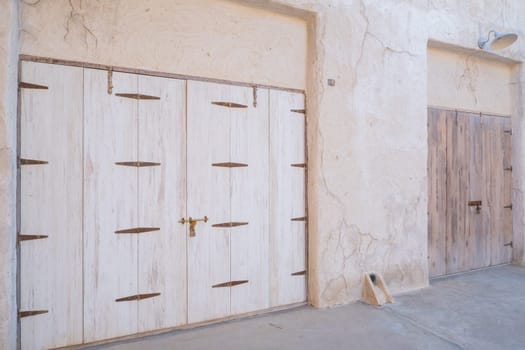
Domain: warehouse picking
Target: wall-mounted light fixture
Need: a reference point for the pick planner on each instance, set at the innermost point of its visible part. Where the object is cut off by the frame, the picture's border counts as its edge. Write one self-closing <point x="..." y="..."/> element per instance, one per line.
<point x="500" y="41"/>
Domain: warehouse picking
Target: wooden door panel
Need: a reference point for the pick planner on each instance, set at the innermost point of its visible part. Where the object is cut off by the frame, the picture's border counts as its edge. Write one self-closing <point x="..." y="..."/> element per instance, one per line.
<point x="497" y="219"/>
<point x="437" y="192"/>
<point x="110" y="195"/>
<point x="477" y="238"/>
<point x="162" y="203"/>
<point x="507" y="190"/>
<point x="458" y="159"/>
<point x="477" y="154"/>
<point x="249" y="203"/>
<point x="287" y="199"/>
<point x="208" y="194"/>
<point x="51" y="205"/>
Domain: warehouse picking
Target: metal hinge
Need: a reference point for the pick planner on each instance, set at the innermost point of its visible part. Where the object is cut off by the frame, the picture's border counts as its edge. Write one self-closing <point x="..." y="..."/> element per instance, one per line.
<point x="138" y="297"/>
<point x="508" y="244"/>
<point x="229" y="284"/>
<point x="229" y="104"/>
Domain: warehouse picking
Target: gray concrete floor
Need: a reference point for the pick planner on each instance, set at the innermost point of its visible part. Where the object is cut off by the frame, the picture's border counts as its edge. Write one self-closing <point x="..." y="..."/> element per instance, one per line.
<point x="478" y="310"/>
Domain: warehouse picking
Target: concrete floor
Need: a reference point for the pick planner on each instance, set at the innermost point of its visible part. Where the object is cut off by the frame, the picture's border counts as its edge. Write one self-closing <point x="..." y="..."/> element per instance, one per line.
<point x="478" y="310"/>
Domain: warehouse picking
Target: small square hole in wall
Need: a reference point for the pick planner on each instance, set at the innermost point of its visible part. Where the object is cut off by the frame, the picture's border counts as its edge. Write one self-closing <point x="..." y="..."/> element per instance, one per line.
<point x="331" y="82"/>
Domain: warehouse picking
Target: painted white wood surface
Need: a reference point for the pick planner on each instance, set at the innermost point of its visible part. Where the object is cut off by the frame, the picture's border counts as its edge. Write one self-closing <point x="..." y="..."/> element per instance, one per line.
<point x="51" y="204"/>
<point x="110" y="204"/>
<point x="162" y="203"/>
<point x="208" y="194"/>
<point x="287" y="199"/>
<point x="249" y="202"/>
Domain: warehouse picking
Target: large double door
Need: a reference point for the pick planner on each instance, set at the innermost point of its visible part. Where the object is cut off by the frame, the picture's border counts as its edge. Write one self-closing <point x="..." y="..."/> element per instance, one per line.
<point x="149" y="203"/>
<point x="470" y="191"/>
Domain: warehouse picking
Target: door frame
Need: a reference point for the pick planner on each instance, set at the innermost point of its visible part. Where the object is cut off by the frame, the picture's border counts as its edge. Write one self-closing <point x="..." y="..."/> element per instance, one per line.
<point x="109" y="68"/>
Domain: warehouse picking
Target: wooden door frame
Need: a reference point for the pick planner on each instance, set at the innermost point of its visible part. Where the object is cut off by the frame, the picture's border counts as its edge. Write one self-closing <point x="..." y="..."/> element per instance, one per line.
<point x="55" y="61"/>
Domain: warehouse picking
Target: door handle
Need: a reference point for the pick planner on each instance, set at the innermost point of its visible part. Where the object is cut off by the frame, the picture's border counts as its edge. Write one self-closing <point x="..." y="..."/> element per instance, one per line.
<point x="193" y="223"/>
<point x="476" y="204"/>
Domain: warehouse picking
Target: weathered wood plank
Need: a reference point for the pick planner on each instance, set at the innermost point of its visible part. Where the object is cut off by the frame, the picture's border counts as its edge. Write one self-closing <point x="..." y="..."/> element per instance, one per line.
<point x="162" y="201"/>
<point x="249" y="203"/>
<point x="51" y="203"/>
<point x="209" y="194"/>
<point x="476" y="245"/>
<point x="458" y="162"/>
<point x="287" y="199"/>
<point x="437" y="191"/>
<point x="507" y="190"/>
<point x="110" y="194"/>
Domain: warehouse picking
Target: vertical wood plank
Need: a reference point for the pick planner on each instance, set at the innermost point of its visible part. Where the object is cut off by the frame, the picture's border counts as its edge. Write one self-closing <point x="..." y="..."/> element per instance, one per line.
<point x="249" y="203"/>
<point x="507" y="190"/>
<point x="477" y="244"/>
<point x="51" y="204"/>
<point x="287" y="199"/>
<point x="110" y="204"/>
<point x="458" y="161"/>
<point x="494" y="140"/>
<point x="437" y="191"/>
<point x="162" y="203"/>
<point x="209" y="195"/>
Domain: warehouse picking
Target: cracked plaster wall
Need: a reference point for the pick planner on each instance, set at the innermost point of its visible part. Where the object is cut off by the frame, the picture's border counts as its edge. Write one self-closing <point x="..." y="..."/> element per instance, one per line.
<point x="468" y="82"/>
<point x="367" y="135"/>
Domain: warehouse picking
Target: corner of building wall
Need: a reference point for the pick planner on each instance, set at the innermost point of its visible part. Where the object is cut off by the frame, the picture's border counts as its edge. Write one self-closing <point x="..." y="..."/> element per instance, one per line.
<point x="8" y="149"/>
<point x="312" y="107"/>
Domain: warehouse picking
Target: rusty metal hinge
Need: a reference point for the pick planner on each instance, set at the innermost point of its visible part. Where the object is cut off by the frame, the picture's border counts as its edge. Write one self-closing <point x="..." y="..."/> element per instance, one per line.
<point x="303" y="218"/>
<point x="22" y="314"/>
<point x="138" y="297"/>
<point x="299" y="165"/>
<point x="137" y="164"/>
<point x="110" y="80"/>
<point x="138" y="96"/>
<point x="299" y="273"/>
<point x="229" y="104"/>
<point x="300" y="111"/>
<point x="508" y="169"/>
<point x="230" y="165"/>
<point x="23" y="161"/>
<point x="22" y="237"/>
<point x="230" y="284"/>
<point x="138" y="230"/>
<point x="508" y="244"/>
<point x="508" y="206"/>
<point x="24" y="85"/>
<point x="230" y="224"/>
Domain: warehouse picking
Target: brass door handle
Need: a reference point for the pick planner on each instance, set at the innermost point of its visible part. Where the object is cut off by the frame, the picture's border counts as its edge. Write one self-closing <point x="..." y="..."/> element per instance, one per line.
<point x="193" y="223"/>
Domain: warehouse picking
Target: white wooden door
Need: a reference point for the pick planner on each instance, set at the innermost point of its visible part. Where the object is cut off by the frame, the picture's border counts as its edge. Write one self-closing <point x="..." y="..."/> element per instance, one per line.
<point x="287" y="198"/>
<point x="110" y="180"/>
<point x="50" y="231"/>
<point x="110" y="205"/>
<point x="135" y="266"/>
<point x="162" y="202"/>
<point x="227" y="183"/>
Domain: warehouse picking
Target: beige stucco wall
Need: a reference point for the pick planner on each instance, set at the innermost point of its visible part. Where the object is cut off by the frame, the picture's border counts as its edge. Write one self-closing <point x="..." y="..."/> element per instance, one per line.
<point x="208" y="38"/>
<point x="367" y="134"/>
<point x="467" y="81"/>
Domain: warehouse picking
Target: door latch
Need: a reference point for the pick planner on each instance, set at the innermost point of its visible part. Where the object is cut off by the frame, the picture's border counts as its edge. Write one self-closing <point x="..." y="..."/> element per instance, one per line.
<point x="476" y="204"/>
<point x="193" y="223"/>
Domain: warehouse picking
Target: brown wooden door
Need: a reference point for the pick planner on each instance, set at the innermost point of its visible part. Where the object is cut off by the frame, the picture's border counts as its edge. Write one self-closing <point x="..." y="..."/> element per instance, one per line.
<point x="470" y="177"/>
